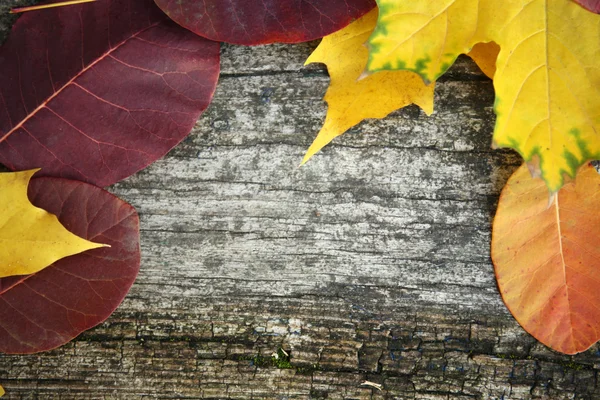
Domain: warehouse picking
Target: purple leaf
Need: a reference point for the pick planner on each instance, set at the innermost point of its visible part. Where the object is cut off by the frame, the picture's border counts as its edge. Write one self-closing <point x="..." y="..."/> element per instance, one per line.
<point x="592" y="5"/>
<point x="96" y="92"/>
<point x="47" y="309"/>
<point x="252" y="22"/>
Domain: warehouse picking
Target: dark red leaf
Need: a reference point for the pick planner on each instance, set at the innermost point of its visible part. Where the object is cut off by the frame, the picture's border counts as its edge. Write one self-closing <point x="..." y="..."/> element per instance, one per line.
<point x="592" y="5"/>
<point x="45" y="310"/>
<point x="252" y="22"/>
<point x="98" y="91"/>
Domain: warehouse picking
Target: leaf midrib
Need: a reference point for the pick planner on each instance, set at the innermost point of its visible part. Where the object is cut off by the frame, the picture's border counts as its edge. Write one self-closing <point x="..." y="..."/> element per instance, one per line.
<point x="564" y="268"/>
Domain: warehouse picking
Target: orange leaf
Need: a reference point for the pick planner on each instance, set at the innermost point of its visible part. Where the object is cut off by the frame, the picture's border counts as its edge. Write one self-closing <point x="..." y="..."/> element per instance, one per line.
<point x="547" y="258"/>
<point x="485" y="56"/>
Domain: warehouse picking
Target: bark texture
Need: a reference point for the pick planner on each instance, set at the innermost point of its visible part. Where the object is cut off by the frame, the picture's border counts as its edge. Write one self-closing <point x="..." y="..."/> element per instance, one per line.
<point x="371" y="263"/>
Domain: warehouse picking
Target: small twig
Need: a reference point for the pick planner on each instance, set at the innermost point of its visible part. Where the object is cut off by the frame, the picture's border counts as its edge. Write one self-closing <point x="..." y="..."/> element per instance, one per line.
<point x="51" y="5"/>
<point x="373" y="385"/>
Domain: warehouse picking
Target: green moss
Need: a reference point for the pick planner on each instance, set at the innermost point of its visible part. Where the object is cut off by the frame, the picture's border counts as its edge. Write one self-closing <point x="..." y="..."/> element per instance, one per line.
<point x="508" y="356"/>
<point x="308" y="369"/>
<point x="260" y="361"/>
<point x="572" y="365"/>
<point x="280" y="360"/>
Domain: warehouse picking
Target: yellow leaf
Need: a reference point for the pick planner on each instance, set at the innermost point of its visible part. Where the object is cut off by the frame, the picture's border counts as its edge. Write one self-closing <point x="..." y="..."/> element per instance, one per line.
<point x="425" y="36"/>
<point x="485" y="56"/>
<point x="30" y="238"/>
<point x="1" y="391"/>
<point x="352" y="100"/>
<point x="547" y="80"/>
<point x="547" y="88"/>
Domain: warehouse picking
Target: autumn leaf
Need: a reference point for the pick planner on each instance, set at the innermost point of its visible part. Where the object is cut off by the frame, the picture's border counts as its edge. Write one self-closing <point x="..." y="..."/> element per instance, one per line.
<point x="425" y="36"/>
<point x="98" y="91"/>
<point x="547" y="96"/>
<point x="2" y="393"/>
<point x="352" y="100"/>
<point x="485" y="56"/>
<point x="30" y="238"/>
<point x="592" y="5"/>
<point x="547" y="258"/>
<point x="259" y="22"/>
<point x="47" y="309"/>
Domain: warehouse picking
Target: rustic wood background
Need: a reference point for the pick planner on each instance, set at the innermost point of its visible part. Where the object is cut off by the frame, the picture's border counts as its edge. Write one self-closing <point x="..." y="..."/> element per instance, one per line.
<point x="371" y="263"/>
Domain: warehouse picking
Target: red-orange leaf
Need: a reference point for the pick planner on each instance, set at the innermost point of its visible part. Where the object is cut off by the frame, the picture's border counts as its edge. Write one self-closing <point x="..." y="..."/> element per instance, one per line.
<point x="547" y="258"/>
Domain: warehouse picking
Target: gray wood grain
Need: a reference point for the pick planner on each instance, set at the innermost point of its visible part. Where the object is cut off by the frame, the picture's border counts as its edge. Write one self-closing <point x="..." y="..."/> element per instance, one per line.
<point x="371" y="263"/>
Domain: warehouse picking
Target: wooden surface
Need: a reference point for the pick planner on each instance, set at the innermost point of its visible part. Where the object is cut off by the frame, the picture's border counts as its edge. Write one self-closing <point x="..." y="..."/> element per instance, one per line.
<point x="371" y="263"/>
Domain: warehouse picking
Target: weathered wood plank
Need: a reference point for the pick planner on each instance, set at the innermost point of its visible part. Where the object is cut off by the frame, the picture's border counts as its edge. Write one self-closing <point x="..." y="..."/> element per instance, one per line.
<point x="369" y="263"/>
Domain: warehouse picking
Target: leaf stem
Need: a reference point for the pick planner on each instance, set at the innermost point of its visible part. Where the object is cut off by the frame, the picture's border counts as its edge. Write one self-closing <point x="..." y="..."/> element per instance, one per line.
<point x="51" y="5"/>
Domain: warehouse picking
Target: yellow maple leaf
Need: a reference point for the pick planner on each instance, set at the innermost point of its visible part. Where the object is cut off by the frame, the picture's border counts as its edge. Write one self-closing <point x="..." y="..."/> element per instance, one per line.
<point x="426" y="36"/>
<point x="30" y="238"/>
<point x="1" y="391"/>
<point x="547" y="80"/>
<point x="352" y="100"/>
